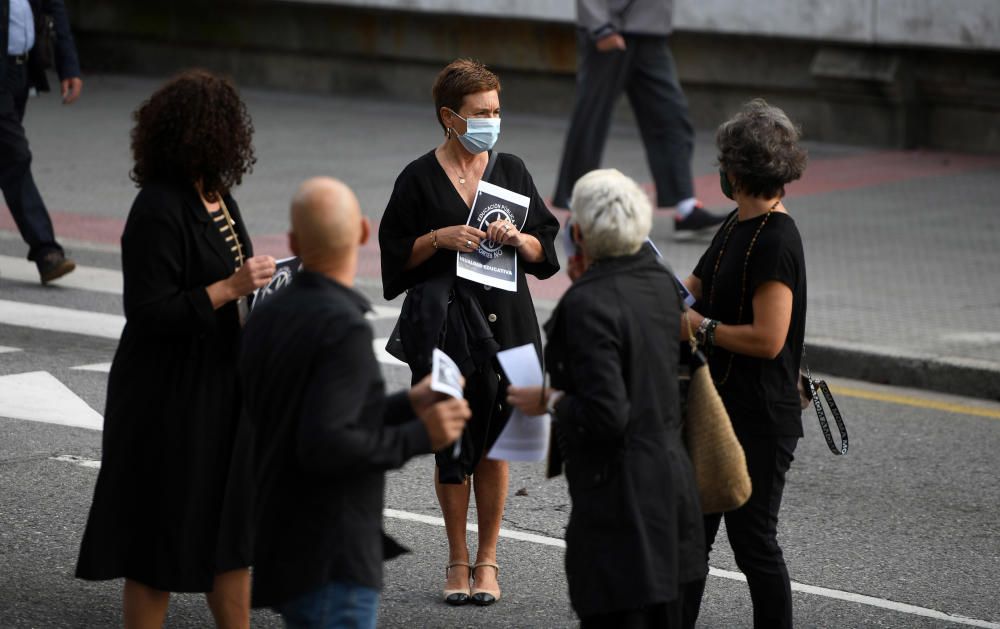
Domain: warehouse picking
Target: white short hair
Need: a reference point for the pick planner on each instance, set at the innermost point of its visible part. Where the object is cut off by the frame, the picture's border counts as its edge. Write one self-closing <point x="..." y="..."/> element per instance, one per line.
<point x="613" y="212"/>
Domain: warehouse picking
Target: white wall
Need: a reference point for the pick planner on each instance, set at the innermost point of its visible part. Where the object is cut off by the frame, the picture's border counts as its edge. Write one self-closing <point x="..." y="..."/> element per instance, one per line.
<point x="961" y="24"/>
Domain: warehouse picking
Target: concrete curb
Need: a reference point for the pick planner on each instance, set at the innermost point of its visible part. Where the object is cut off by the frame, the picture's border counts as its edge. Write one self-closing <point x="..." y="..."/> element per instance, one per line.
<point x="973" y="378"/>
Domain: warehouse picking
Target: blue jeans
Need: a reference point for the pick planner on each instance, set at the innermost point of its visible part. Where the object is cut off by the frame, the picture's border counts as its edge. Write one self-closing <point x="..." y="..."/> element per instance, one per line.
<point x="334" y="605"/>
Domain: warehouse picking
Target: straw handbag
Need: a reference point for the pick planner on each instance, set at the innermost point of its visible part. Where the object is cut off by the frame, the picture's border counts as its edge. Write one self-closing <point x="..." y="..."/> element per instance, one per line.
<point x="720" y="467"/>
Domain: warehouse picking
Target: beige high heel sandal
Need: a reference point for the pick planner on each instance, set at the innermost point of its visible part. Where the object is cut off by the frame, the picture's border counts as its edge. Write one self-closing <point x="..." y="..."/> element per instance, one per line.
<point x="457" y="597"/>
<point x="486" y="597"/>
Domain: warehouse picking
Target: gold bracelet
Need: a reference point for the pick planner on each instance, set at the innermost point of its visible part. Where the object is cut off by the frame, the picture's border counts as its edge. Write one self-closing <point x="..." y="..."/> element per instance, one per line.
<point x="434" y="238"/>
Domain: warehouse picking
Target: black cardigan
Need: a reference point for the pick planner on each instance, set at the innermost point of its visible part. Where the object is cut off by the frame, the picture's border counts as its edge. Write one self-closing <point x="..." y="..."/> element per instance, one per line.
<point x="424" y="199"/>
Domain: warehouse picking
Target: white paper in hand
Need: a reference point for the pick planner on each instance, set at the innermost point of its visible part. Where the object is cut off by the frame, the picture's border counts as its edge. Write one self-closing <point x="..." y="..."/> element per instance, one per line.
<point x="524" y="438"/>
<point x="445" y="375"/>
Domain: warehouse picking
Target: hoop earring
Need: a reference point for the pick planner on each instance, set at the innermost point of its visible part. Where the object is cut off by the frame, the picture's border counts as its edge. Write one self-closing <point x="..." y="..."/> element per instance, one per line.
<point x="447" y="133"/>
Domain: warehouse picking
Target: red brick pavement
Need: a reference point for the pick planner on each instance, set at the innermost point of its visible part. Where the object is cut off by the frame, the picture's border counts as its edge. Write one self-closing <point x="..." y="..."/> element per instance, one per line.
<point x="852" y="172"/>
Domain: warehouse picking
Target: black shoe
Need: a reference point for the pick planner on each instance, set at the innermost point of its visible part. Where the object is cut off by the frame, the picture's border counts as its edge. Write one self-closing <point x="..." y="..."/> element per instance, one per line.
<point x="54" y="265"/>
<point x="457" y="597"/>
<point x="698" y="219"/>
<point x="482" y="597"/>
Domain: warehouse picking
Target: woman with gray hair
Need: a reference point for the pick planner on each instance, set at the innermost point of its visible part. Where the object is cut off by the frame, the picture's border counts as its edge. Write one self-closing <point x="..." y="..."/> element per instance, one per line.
<point x="635" y="535"/>
<point x="750" y="316"/>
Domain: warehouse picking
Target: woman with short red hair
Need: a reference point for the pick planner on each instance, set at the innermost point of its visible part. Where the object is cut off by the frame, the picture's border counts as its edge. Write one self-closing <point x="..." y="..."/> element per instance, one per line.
<point x="423" y="227"/>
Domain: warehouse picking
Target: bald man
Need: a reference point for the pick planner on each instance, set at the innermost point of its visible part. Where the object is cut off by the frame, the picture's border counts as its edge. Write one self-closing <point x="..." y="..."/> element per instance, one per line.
<point x="325" y="431"/>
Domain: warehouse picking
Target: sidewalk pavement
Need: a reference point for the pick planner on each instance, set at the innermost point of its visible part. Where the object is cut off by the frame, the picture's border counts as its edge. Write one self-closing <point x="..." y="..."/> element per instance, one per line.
<point x="901" y="246"/>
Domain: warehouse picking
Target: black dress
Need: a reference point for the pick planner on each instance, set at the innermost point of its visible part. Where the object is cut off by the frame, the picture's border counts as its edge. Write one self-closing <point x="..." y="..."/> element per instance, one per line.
<point x="171" y="503"/>
<point x="424" y="199"/>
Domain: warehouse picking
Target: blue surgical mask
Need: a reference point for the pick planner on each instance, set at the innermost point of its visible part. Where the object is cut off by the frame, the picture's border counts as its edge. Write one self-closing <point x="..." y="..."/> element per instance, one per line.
<point x="480" y="133"/>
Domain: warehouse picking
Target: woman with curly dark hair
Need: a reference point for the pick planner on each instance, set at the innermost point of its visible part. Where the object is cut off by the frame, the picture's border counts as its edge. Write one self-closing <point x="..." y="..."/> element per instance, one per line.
<point x="751" y="319"/>
<point x="171" y="504"/>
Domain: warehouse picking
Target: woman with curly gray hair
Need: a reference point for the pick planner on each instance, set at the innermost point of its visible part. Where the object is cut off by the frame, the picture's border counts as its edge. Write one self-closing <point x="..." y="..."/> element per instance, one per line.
<point x="750" y="317"/>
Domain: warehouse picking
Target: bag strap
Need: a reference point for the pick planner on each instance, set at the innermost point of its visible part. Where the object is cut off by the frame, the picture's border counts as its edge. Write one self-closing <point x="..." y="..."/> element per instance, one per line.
<point x="821" y="413"/>
<point x="489" y="166"/>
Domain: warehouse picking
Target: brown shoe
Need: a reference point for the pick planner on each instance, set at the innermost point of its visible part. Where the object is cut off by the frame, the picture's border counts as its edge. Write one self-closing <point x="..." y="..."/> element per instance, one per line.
<point x="54" y="265"/>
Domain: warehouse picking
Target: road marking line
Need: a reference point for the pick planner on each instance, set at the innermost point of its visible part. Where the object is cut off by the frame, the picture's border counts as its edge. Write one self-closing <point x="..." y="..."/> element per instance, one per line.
<point x="9" y="350"/>
<point x="850" y="597"/>
<point x="384" y="357"/>
<point x="61" y="319"/>
<point x="906" y="400"/>
<point x="101" y="367"/>
<point x="435" y="521"/>
<point x="84" y="277"/>
<point x="110" y="326"/>
<point x="39" y="396"/>
<point x="382" y="312"/>
<point x="77" y="460"/>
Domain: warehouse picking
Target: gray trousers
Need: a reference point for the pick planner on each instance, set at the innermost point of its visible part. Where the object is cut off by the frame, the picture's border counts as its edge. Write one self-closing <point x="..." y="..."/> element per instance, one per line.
<point x="646" y="72"/>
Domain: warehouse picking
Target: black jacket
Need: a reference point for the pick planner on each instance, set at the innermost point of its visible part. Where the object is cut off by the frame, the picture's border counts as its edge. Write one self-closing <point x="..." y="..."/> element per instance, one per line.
<point x="635" y="530"/>
<point x="325" y="433"/>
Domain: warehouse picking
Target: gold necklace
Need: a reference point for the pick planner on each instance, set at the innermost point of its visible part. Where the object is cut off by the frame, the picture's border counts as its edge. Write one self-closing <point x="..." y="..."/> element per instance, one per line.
<point x="459" y="175"/>
<point x="743" y="282"/>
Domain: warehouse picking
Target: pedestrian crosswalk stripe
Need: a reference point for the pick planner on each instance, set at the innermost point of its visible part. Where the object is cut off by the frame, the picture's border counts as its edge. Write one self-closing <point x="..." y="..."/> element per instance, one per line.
<point x="39" y="396"/>
<point x="383" y="312"/>
<point x="102" y="367"/>
<point x="384" y="357"/>
<point x="84" y="277"/>
<point x="58" y="319"/>
<point x="77" y="460"/>
<point x="110" y="281"/>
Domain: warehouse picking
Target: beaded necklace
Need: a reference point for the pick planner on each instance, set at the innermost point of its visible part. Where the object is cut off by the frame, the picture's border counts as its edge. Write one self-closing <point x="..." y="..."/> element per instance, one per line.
<point x="743" y="282"/>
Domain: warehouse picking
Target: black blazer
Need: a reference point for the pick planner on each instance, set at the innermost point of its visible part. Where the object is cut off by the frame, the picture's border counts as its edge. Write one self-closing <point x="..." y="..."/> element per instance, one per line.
<point x="325" y="433"/>
<point x="635" y="529"/>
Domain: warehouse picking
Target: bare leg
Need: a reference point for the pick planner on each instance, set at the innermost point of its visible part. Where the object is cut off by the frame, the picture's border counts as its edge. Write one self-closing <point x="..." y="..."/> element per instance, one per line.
<point x="454" y="501"/>
<point x="229" y="599"/>
<point x="490" y="482"/>
<point x="144" y="607"/>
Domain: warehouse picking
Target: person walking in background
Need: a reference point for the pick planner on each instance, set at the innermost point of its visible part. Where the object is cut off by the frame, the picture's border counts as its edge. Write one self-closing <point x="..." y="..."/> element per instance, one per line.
<point x="623" y="45"/>
<point x="173" y="502"/>
<point x="424" y="224"/>
<point x="324" y="428"/>
<point x="24" y="38"/>
<point x="634" y="539"/>
<point x="750" y="315"/>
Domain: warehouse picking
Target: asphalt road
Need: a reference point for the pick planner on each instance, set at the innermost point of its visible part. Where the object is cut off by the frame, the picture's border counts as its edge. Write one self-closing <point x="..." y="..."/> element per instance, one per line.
<point x="901" y="532"/>
<point x="907" y="517"/>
